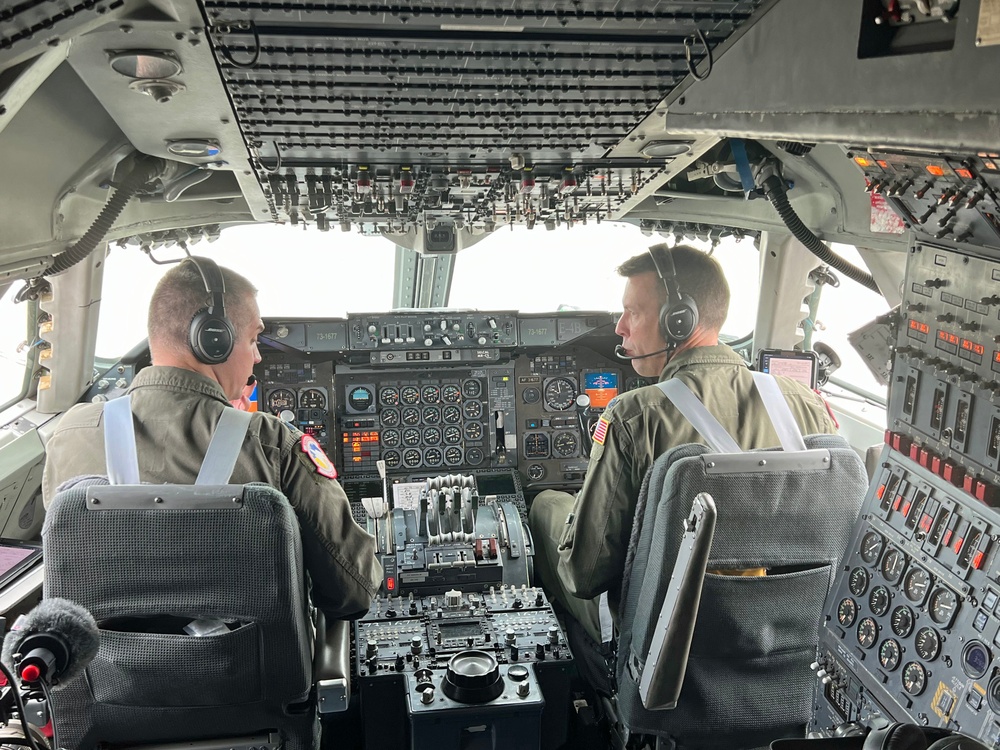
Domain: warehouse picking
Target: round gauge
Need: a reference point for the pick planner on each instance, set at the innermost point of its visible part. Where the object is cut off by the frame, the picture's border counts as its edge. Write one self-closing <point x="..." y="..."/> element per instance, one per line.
<point x="847" y="610"/>
<point x="472" y="388"/>
<point x="432" y="456"/>
<point x="858" y="581"/>
<point x="976" y="659"/>
<point x="473" y="409"/>
<point x="993" y="694"/>
<point x="915" y="584"/>
<point x="867" y="632"/>
<point x="313" y="398"/>
<point x="411" y="457"/>
<point x="942" y="606"/>
<point x="902" y="621"/>
<point x="451" y="415"/>
<point x="390" y="438"/>
<point x="474" y="456"/>
<point x="389" y="417"/>
<point x="452" y="434"/>
<point x="279" y="400"/>
<point x="451" y="394"/>
<point x="431" y="394"/>
<point x="565" y="444"/>
<point x="536" y="472"/>
<point x="889" y="654"/>
<point x="409" y="395"/>
<point x="453" y="455"/>
<point x="360" y="398"/>
<point x="871" y="546"/>
<point x="432" y="435"/>
<point x="893" y="564"/>
<point x="536" y="445"/>
<point x="411" y="436"/>
<point x="473" y="431"/>
<point x="410" y="415"/>
<point x="879" y="600"/>
<point x="389" y="396"/>
<point x="391" y="458"/>
<point x="914" y="678"/>
<point x="530" y="395"/>
<point x="560" y="394"/>
<point x="431" y="414"/>
<point x="928" y="644"/>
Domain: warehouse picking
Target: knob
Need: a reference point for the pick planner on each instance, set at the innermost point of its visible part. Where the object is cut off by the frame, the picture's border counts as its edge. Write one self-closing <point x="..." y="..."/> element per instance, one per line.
<point x="945" y="318"/>
<point x="970" y="326"/>
<point x="372" y="330"/>
<point x="916" y="307"/>
<point x="553" y="634"/>
<point x="444" y="325"/>
<point x="518" y="604"/>
<point x="427" y="695"/>
<point x="509" y="636"/>
<point x="427" y="327"/>
<point x="453" y="598"/>
<point x="371" y="648"/>
<point x="513" y="653"/>
<point x="428" y="341"/>
<point x="102" y="384"/>
<point x="922" y="191"/>
<point x="416" y="644"/>
<point x="481" y="340"/>
<point x="446" y="341"/>
<point x="399" y="663"/>
<point x="523" y="688"/>
<point x="936" y="283"/>
<point x="540" y="651"/>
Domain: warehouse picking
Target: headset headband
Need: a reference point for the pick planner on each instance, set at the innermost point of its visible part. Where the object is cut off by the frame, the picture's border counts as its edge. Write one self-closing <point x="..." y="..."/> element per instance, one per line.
<point x="215" y="284"/>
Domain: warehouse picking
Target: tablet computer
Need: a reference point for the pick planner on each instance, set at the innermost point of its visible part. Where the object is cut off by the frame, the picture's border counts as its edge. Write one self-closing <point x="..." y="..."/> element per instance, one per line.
<point x="17" y="557"/>
<point x="801" y="366"/>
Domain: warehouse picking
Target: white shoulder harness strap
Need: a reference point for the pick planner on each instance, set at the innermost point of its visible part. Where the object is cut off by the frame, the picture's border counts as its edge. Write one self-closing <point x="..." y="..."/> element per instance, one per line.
<point x="715" y="434"/>
<point x="123" y="462"/>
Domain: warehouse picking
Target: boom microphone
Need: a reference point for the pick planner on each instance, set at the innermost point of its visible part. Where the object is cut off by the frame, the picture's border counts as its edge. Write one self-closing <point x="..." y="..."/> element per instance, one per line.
<point x="620" y="353"/>
<point x="54" y="641"/>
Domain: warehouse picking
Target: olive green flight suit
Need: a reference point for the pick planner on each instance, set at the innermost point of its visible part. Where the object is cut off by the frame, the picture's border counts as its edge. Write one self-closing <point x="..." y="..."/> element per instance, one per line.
<point x="581" y="543"/>
<point x="176" y="411"/>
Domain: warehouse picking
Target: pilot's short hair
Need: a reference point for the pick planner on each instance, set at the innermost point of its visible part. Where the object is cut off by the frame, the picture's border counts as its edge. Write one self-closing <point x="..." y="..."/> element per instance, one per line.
<point x="699" y="275"/>
<point x="180" y="294"/>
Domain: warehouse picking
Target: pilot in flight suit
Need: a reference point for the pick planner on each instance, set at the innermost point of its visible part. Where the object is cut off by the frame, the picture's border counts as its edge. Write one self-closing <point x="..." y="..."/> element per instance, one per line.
<point x="581" y="543"/>
<point x="177" y="403"/>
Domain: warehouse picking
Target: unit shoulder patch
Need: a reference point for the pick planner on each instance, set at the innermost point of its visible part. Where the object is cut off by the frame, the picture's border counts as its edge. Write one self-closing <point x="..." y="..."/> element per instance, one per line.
<point x="324" y="466"/>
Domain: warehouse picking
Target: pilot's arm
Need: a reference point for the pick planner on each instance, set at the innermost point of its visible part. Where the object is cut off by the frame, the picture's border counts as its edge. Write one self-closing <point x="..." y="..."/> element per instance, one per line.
<point x="339" y="554"/>
<point x="593" y="548"/>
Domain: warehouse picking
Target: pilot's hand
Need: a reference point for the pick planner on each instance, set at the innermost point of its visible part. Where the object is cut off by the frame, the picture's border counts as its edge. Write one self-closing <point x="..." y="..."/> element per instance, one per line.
<point x="243" y="402"/>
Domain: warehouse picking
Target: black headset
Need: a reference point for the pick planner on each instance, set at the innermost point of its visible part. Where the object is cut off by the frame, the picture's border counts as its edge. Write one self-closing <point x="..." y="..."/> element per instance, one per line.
<point x="679" y="314"/>
<point x="211" y="335"/>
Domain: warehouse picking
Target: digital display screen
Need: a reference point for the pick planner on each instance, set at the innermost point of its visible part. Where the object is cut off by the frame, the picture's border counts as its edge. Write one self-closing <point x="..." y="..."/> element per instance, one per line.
<point x="600" y="387"/>
<point x="16" y="558"/>
<point x="801" y="366"/>
<point x="495" y="484"/>
<point x="460" y="629"/>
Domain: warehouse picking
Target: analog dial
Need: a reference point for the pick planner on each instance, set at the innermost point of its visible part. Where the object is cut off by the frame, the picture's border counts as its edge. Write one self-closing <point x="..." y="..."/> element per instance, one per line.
<point x="452" y="434"/>
<point x="928" y="644"/>
<point x="867" y="632"/>
<point x="473" y="431"/>
<point x="360" y="398"/>
<point x="389" y="396"/>
<point x="902" y="621"/>
<point x="914" y="678"/>
<point x="893" y="564"/>
<point x="847" y="611"/>
<point x="451" y="415"/>
<point x="942" y="606"/>
<point x="431" y="414"/>
<point x="472" y="409"/>
<point x="432" y="456"/>
<point x="411" y="457"/>
<point x="279" y="400"/>
<point x="391" y="458"/>
<point x="889" y="654"/>
<point x="409" y="395"/>
<point x="472" y="388"/>
<point x="453" y="455"/>
<point x="313" y="398"/>
<point x="432" y="435"/>
<point x="871" y="546"/>
<point x="530" y="395"/>
<point x="560" y="394"/>
<point x="565" y="444"/>
<point x="474" y="456"/>
<point x="915" y="584"/>
<point x="536" y="445"/>
<point x="411" y="415"/>
<point x="879" y="600"/>
<point x="431" y="394"/>
<point x="536" y="472"/>
<point x="389" y="417"/>
<point x="858" y="581"/>
<point x="411" y="437"/>
<point x="390" y="438"/>
<point x="451" y="394"/>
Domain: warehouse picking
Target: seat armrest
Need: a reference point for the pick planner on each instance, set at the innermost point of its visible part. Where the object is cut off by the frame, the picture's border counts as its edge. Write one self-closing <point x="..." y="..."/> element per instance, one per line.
<point x="332" y="664"/>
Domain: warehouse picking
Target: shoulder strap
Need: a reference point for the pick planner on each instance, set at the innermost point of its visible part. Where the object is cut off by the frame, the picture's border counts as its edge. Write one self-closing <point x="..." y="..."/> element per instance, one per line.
<point x="119" y="441"/>
<point x="700" y="418"/>
<point x="777" y="409"/>
<point x="220" y="458"/>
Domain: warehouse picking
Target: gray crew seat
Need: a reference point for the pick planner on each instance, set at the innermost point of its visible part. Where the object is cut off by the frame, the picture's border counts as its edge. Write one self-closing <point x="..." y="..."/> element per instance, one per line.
<point x="148" y="559"/>
<point x="748" y="679"/>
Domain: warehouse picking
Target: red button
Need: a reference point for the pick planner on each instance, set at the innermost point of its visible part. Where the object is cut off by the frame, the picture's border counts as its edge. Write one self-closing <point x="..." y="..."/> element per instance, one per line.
<point x="937" y="466"/>
<point x="977" y="560"/>
<point x="953" y="473"/>
<point x="914" y="452"/>
<point x="985" y="492"/>
<point x="967" y="483"/>
<point x="890" y="436"/>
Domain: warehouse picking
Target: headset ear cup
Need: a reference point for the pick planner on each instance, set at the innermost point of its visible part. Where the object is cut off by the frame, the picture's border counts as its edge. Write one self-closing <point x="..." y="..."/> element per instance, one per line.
<point x="211" y="337"/>
<point x="679" y="320"/>
<point x="896" y="737"/>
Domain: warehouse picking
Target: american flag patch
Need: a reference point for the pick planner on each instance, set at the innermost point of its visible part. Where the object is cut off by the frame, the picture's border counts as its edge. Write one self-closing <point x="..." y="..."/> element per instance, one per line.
<point x="601" y="431"/>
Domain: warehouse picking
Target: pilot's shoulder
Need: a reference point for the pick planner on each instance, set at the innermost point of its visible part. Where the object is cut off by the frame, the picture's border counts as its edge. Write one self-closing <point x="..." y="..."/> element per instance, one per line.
<point x="81" y="416"/>
<point x="797" y="390"/>
<point x="628" y="405"/>
<point x="272" y="431"/>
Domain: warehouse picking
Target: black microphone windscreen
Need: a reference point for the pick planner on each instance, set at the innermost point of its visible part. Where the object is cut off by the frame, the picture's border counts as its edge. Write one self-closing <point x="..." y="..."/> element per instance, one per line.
<point x="63" y="621"/>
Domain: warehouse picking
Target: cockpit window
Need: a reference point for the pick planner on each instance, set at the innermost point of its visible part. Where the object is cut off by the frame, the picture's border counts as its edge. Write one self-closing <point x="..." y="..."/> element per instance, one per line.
<point x="541" y="271"/>
<point x="298" y="274"/>
<point x="14" y="347"/>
